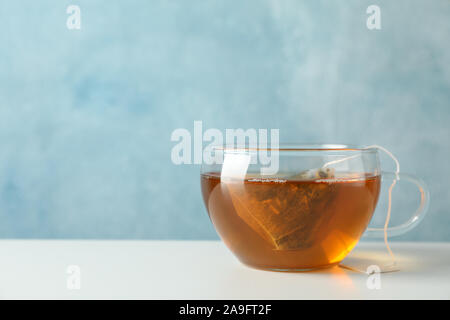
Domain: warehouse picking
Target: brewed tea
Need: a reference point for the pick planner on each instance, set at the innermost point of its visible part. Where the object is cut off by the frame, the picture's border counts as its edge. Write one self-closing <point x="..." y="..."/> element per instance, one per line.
<point x="299" y="222"/>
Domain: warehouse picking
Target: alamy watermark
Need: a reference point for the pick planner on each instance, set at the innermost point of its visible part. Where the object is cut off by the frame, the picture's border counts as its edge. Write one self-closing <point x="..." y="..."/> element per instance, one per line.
<point x="74" y="18"/>
<point x="374" y="20"/>
<point x="235" y="147"/>
<point x="73" y="281"/>
<point x="373" y="282"/>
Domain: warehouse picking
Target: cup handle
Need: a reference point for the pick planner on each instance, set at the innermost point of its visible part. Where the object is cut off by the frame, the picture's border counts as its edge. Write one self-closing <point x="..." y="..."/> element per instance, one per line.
<point x="416" y="217"/>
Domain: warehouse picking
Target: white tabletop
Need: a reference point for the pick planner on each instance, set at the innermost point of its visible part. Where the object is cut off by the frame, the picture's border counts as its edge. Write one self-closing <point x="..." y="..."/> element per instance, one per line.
<point x="203" y="270"/>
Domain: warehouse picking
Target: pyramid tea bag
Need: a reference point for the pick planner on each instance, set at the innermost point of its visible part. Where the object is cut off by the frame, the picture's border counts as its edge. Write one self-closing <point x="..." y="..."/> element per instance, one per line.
<point x="287" y="215"/>
<point x="320" y="173"/>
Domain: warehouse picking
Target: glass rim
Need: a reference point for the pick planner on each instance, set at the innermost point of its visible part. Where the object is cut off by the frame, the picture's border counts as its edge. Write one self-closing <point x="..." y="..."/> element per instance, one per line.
<point x="297" y="147"/>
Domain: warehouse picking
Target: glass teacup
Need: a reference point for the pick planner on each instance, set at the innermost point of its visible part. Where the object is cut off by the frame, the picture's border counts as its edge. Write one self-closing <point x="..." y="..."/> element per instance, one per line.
<point x="308" y="213"/>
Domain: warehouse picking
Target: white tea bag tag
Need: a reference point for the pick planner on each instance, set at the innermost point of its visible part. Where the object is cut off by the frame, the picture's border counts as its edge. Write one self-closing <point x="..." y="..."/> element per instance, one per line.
<point x="369" y="266"/>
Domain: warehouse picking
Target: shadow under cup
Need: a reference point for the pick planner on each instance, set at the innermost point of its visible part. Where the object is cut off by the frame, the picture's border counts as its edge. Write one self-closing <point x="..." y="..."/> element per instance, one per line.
<point x="309" y="214"/>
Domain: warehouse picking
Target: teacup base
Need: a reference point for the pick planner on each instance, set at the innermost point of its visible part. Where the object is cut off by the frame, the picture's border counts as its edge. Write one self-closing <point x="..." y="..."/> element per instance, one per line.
<point x="293" y="270"/>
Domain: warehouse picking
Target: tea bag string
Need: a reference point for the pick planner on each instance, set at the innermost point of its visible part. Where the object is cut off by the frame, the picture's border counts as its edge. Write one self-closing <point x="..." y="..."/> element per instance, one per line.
<point x="397" y="171"/>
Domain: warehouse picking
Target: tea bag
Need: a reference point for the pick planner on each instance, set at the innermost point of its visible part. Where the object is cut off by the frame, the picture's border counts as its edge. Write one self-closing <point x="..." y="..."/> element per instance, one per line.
<point x="287" y="216"/>
<point x="312" y="174"/>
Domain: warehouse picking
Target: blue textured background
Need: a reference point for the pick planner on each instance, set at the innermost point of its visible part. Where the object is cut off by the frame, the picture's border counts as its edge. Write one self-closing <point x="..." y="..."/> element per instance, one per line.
<point x="86" y="115"/>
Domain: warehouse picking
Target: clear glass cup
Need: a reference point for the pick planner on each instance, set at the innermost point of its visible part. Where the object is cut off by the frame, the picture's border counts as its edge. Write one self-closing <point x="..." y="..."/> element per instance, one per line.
<point x="297" y="208"/>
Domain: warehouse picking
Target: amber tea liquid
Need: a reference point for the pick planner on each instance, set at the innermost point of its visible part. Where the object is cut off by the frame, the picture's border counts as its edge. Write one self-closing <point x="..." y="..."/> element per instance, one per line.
<point x="288" y="224"/>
